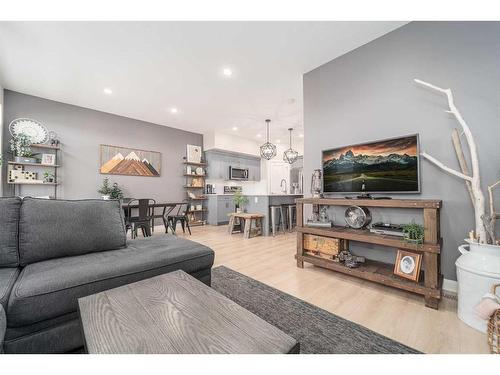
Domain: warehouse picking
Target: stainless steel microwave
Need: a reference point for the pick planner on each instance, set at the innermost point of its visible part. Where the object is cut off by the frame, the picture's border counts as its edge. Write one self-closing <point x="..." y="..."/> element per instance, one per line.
<point x="236" y="173"/>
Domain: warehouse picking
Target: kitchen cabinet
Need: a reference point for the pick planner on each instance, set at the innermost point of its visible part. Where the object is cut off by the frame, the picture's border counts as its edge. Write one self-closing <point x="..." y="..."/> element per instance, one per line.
<point x="219" y="162"/>
<point x="219" y="206"/>
<point x="279" y="171"/>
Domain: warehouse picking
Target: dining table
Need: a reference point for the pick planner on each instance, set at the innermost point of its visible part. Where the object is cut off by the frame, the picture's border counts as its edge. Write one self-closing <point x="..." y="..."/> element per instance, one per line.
<point x="167" y="208"/>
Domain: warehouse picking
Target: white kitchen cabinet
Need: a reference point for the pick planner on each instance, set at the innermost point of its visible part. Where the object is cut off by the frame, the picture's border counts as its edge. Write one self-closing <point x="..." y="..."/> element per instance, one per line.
<point x="277" y="172"/>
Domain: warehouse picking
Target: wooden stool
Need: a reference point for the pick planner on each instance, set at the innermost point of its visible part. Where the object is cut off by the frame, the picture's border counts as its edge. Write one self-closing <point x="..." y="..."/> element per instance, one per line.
<point x="246" y="220"/>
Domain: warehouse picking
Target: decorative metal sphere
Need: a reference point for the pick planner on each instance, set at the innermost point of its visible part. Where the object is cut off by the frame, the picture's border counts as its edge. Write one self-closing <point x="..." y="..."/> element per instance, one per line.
<point x="268" y="151"/>
<point x="290" y="155"/>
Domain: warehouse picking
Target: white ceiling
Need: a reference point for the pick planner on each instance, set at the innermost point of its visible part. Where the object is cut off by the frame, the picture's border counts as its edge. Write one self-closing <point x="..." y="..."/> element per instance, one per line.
<point x="153" y="66"/>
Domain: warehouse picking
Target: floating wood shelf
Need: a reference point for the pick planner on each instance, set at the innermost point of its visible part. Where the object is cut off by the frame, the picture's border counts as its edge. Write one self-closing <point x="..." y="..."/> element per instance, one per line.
<point x="193" y="187"/>
<point x="34" y="183"/>
<point x="35" y="164"/>
<point x="49" y="147"/>
<point x="195" y="175"/>
<point x="431" y="284"/>
<point x="193" y="163"/>
<point x="197" y="198"/>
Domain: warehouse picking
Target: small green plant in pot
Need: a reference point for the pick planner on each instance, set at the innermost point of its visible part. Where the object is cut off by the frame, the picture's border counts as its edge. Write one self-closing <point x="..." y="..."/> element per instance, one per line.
<point x="20" y="145"/>
<point x="239" y="200"/>
<point x="414" y="233"/>
<point x="108" y="191"/>
<point x="48" y="177"/>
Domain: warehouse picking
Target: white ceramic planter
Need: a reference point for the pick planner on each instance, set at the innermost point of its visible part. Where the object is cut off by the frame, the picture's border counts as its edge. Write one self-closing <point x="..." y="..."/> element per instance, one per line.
<point x="478" y="268"/>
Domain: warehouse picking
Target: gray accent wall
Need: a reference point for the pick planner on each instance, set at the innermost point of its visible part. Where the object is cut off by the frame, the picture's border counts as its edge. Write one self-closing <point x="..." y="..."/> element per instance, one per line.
<point x="82" y="130"/>
<point x="369" y="94"/>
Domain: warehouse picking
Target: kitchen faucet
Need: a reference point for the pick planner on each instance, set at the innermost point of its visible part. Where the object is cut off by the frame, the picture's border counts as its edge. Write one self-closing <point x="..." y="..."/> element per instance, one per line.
<point x="281" y="185"/>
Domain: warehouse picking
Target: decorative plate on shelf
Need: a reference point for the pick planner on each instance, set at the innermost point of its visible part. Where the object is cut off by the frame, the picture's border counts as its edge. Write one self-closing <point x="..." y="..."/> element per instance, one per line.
<point x="199" y="171"/>
<point x="32" y="128"/>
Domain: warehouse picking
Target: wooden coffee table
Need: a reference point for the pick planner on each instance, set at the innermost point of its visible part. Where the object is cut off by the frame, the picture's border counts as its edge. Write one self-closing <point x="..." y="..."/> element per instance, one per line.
<point x="175" y="313"/>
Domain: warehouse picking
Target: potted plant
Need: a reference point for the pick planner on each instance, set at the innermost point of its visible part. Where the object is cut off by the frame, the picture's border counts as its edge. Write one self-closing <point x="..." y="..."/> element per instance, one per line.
<point x="414" y="233"/>
<point x="48" y="177"/>
<point x="239" y="200"/>
<point x="20" y="145"/>
<point x="110" y="192"/>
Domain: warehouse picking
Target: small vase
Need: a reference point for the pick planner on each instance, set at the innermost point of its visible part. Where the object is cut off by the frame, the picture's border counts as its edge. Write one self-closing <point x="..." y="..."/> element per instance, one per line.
<point x="239" y="210"/>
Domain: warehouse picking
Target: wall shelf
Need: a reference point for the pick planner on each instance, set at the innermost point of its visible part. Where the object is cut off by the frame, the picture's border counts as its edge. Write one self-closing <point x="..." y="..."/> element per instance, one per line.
<point x="34" y="183"/>
<point x="197" y="216"/>
<point x="35" y="164"/>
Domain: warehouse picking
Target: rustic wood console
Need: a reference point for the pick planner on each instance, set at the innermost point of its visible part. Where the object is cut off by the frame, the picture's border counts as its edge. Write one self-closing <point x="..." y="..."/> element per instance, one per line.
<point x="431" y="283"/>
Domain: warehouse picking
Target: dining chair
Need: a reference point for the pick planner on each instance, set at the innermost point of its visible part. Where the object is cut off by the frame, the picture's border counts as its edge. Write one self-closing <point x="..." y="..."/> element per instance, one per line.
<point x="145" y="208"/>
<point x="181" y="215"/>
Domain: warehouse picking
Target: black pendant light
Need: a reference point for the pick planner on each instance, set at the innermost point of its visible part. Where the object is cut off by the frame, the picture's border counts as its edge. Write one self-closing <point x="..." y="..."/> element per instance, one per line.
<point x="268" y="150"/>
<point x="290" y="155"/>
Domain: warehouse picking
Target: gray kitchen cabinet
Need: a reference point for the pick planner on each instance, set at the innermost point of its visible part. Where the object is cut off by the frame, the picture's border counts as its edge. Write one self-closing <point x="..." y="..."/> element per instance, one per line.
<point x="219" y="162"/>
<point x="219" y="206"/>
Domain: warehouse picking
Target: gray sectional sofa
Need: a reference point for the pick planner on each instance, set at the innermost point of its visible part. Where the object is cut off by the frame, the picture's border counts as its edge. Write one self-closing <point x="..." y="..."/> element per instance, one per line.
<point x="53" y="252"/>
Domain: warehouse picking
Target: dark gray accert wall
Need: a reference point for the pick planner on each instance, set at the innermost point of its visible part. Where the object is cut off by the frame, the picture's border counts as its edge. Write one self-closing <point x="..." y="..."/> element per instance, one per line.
<point x="369" y="94"/>
<point x="82" y="130"/>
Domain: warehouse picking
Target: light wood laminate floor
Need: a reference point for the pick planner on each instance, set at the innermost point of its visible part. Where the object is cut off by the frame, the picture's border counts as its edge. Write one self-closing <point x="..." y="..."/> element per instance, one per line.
<point x="396" y="314"/>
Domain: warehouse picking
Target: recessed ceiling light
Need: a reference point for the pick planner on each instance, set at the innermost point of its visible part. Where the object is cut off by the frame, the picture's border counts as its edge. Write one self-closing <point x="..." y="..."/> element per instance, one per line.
<point x="301" y="135"/>
<point x="108" y="91"/>
<point x="235" y="128"/>
<point x="259" y="135"/>
<point x="278" y="141"/>
<point x="174" y="110"/>
<point x="227" y="72"/>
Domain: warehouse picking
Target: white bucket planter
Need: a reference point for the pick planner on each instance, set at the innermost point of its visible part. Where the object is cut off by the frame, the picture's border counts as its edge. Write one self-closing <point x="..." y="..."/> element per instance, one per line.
<point x="478" y="268"/>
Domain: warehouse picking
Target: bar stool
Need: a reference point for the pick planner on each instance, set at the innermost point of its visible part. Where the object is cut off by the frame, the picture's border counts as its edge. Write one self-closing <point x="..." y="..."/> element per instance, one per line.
<point x="277" y="218"/>
<point x="291" y="215"/>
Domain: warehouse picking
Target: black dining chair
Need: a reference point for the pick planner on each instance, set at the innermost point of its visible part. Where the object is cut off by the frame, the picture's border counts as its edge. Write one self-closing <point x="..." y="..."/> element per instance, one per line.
<point x="181" y="215"/>
<point x="143" y="220"/>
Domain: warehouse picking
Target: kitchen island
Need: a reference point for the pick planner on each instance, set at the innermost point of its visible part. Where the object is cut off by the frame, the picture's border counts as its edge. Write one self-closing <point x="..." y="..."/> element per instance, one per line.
<point x="220" y="205"/>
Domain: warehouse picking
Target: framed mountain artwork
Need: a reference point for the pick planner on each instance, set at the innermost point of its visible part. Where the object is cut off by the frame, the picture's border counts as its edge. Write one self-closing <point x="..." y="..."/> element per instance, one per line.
<point x="129" y="161"/>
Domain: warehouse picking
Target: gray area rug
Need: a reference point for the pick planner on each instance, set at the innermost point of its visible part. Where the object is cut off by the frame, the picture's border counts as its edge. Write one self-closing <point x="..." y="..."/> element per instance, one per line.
<point x="317" y="330"/>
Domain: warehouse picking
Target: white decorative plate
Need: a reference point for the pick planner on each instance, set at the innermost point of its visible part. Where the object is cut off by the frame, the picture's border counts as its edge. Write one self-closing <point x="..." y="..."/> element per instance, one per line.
<point x="32" y="128"/>
<point x="199" y="171"/>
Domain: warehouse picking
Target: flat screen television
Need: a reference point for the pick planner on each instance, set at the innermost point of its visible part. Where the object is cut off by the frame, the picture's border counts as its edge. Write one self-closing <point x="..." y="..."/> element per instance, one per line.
<point x="385" y="166"/>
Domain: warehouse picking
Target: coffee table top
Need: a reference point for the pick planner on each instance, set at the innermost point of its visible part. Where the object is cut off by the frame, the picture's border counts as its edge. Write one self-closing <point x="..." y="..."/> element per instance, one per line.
<point x="174" y="313"/>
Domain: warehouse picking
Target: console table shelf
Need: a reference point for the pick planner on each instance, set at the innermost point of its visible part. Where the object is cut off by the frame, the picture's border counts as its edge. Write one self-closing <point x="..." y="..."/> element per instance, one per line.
<point x="430" y="284"/>
<point x="378" y="272"/>
<point x="364" y="235"/>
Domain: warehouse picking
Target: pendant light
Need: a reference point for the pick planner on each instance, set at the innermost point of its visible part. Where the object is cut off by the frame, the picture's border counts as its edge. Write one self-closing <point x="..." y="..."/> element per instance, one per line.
<point x="290" y="155"/>
<point x="268" y="150"/>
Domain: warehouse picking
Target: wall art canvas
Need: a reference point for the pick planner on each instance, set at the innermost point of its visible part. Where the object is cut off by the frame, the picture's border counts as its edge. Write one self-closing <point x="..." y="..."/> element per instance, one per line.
<point x="129" y="161"/>
<point x="193" y="154"/>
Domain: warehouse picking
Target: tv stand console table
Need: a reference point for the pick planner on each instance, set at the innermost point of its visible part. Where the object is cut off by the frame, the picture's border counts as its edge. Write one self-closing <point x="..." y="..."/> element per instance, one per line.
<point x="429" y="286"/>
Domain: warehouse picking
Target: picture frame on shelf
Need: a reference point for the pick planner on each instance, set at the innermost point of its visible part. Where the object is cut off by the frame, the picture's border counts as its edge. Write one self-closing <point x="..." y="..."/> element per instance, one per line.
<point x="48" y="159"/>
<point x="193" y="154"/>
<point x="408" y="265"/>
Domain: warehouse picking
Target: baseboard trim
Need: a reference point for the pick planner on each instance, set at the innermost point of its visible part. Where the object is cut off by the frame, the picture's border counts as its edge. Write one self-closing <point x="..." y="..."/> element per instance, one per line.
<point x="450" y="287"/>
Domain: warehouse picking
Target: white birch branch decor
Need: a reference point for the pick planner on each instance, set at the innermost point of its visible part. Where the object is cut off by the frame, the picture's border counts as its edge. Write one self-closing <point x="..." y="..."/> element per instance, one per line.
<point x="457" y="145"/>
<point x="475" y="179"/>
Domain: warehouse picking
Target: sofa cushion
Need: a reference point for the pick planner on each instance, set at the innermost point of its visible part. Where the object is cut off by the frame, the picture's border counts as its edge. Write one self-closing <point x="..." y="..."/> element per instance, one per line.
<point x="9" y="220"/>
<point x="7" y="278"/>
<point x="56" y="228"/>
<point x="51" y="288"/>
<point x="3" y="326"/>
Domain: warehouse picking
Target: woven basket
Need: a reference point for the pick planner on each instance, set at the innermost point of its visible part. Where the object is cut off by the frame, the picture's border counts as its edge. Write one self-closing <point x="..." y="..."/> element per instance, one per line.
<point x="494" y="327"/>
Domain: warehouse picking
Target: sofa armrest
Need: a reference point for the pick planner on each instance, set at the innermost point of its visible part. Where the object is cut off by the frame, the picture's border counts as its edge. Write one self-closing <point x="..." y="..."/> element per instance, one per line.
<point x="3" y="326"/>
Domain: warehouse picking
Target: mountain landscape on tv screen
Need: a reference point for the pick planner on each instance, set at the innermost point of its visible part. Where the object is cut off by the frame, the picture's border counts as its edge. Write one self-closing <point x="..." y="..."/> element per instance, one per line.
<point x="383" y="166"/>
